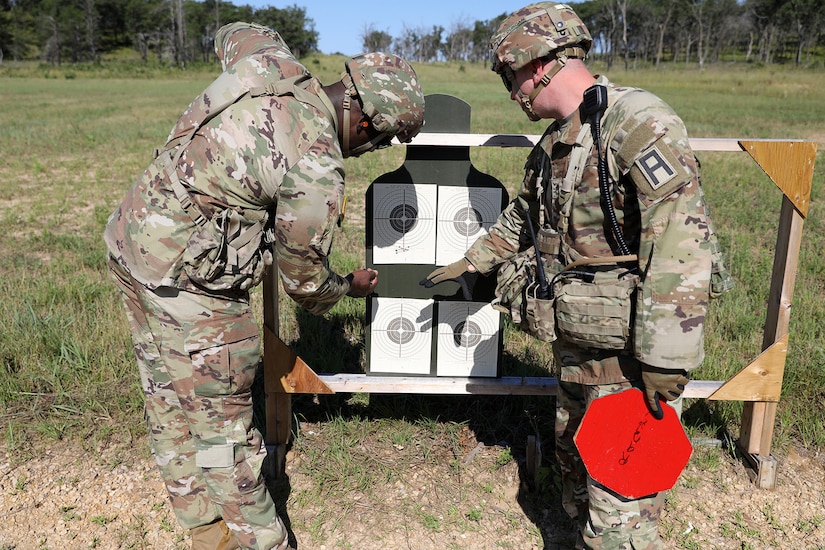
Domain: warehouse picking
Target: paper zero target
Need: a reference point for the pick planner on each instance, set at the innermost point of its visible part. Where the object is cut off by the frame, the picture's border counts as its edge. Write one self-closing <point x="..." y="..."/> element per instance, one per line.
<point x="404" y="223"/>
<point x="468" y="338"/>
<point x="464" y="214"/>
<point x="401" y="335"/>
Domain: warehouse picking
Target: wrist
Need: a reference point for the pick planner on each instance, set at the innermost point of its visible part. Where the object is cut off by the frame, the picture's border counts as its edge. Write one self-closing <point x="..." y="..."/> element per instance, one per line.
<point x="348" y="280"/>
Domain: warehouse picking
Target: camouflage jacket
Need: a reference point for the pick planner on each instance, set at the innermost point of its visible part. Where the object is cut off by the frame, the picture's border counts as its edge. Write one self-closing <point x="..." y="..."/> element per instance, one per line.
<point x="266" y="171"/>
<point x="660" y="208"/>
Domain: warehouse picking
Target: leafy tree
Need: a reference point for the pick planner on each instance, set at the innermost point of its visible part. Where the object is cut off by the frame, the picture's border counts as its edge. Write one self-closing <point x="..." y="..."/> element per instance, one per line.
<point x="459" y="43"/>
<point x="18" y="38"/>
<point x="373" y="40"/>
<point x="482" y="31"/>
<point x="292" y="23"/>
<point x="430" y="45"/>
<point x="806" y="19"/>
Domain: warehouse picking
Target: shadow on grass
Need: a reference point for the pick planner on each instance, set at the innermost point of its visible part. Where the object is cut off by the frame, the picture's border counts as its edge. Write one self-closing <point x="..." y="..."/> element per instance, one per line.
<point x="508" y="422"/>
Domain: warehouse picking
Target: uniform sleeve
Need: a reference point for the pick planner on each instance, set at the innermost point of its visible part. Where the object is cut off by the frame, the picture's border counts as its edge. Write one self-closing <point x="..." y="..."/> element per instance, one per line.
<point x="675" y="248"/>
<point x="309" y="206"/>
<point x="675" y="258"/>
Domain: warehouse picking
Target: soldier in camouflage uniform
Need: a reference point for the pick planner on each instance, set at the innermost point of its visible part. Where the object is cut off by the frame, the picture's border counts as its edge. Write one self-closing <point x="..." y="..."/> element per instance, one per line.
<point x="663" y="222"/>
<point x="252" y="170"/>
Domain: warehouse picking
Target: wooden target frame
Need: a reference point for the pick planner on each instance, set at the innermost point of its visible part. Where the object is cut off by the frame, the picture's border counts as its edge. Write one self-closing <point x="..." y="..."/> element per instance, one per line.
<point x="790" y="166"/>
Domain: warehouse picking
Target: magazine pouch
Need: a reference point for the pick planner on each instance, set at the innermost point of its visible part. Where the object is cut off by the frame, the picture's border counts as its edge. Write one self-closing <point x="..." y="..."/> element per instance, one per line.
<point x="595" y="309"/>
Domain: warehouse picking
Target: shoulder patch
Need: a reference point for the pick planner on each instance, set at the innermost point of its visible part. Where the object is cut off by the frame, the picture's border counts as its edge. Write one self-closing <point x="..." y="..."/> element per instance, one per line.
<point x="657" y="172"/>
<point x="632" y="138"/>
<point x="655" y="168"/>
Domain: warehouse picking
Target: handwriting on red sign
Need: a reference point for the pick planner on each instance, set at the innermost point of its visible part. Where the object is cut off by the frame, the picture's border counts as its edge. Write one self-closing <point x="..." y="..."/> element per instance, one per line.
<point x="635" y="440"/>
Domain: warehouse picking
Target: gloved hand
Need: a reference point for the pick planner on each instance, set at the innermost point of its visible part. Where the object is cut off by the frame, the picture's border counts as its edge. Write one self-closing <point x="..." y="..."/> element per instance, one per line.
<point x="662" y="383"/>
<point x="460" y="271"/>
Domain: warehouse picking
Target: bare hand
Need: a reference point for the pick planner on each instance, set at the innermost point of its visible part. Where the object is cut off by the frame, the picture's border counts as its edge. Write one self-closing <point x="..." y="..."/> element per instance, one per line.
<point x="362" y="282"/>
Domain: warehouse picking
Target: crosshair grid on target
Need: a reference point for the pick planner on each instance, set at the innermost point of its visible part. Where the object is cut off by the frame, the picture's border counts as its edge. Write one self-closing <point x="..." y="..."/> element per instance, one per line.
<point x="400" y="330"/>
<point x="464" y="214"/>
<point x="466" y="330"/>
<point x="404" y="218"/>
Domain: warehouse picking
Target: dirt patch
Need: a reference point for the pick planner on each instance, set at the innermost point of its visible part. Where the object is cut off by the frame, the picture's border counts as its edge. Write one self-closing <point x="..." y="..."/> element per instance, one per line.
<point x="449" y="491"/>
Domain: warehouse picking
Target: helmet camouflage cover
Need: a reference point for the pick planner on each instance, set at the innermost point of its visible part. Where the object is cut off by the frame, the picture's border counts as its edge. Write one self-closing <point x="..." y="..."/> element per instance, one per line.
<point x="536" y="31"/>
<point x="389" y="93"/>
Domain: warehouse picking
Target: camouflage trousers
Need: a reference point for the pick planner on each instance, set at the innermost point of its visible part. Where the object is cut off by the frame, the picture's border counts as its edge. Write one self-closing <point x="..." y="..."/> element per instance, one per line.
<point x="197" y="356"/>
<point x="606" y="520"/>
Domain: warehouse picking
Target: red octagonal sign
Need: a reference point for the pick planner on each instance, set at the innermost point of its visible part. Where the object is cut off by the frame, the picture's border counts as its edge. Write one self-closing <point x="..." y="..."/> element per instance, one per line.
<point x="627" y="450"/>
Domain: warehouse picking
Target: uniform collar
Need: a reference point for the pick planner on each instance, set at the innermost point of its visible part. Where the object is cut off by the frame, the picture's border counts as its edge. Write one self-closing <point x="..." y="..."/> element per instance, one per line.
<point x="568" y="128"/>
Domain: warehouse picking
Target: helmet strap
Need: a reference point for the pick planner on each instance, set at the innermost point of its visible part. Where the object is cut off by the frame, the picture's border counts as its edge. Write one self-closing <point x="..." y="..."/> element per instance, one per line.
<point x="370" y="145"/>
<point x="561" y="57"/>
<point x="346" y="105"/>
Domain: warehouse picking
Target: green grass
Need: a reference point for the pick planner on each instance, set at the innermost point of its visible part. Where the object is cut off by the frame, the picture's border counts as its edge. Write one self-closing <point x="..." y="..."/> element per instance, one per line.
<point x="73" y="140"/>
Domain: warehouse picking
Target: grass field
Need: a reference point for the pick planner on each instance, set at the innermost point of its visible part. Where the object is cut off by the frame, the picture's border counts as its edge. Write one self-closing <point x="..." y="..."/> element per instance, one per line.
<point x="72" y="141"/>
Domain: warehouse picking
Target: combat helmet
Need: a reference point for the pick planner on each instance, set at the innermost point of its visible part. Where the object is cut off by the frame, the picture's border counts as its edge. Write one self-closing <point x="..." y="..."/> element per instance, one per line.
<point x="543" y="29"/>
<point x="389" y="94"/>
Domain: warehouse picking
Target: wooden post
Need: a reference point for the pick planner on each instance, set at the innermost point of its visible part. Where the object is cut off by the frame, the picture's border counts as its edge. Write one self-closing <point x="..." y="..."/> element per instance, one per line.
<point x="284" y="374"/>
<point x="790" y="166"/>
<point x="278" y="402"/>
<point x="758" y="418"/>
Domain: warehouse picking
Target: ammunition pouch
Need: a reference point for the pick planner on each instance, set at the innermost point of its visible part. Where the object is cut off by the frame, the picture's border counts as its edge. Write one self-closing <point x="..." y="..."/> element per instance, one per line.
<point x="518" y="294"/>
<point x="595" y="309"/>
<point x="592" y="308"/>
<point x="538" y="314"/>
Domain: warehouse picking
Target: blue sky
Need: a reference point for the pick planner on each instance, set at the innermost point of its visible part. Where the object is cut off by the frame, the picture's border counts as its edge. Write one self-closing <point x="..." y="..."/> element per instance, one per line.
<point x="340" y="24"/>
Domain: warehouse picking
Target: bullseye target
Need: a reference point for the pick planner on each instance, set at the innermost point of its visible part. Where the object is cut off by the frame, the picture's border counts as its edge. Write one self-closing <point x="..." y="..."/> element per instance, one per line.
<point x="401" y="335"/>
<point x="464" y="214"/>
<point x="468" y="339"/>
<point x="404" y="223"/>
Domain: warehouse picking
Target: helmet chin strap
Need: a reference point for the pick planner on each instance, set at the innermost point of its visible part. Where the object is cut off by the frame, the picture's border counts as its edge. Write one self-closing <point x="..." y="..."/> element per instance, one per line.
<point x="346" y="105"/>
<point x="345" y="130"/>
<point x="370" y="145"/>
<point x="526" y="102"/>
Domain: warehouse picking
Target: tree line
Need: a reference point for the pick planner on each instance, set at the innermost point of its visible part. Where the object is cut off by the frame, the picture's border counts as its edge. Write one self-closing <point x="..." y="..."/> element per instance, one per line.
<point x="628" y="32"/>
<point x="176" y="32"/>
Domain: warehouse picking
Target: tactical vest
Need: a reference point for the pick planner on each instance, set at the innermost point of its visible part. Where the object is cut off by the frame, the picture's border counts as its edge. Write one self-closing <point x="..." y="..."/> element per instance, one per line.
<point x="588" y="301"/>
<point x="230" y="248"/>
<point x="537" y="310"/>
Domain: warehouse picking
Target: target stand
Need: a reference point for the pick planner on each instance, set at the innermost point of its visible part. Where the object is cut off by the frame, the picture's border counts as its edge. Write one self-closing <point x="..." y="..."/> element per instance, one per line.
<point x="439" y="157"/>
<point x="421" y="216"/>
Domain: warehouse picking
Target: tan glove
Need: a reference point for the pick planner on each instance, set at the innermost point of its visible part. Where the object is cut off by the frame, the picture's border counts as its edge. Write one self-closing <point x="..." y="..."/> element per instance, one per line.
<point x="461" y="271"/>
<point x="661" y="383"/>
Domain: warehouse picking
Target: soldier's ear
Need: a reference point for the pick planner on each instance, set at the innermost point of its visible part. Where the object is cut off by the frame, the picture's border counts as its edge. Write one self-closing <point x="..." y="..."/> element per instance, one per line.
<point x="537" y="66"/>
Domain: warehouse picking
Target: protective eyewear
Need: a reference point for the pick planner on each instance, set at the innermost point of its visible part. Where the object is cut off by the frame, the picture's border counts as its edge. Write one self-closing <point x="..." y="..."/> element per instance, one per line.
<point x="509" y="78"/>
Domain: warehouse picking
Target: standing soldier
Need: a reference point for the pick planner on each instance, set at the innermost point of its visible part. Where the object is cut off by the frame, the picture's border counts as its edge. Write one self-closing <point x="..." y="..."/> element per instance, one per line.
<point x="252" y="170"/>
<point x="611" y="202"/>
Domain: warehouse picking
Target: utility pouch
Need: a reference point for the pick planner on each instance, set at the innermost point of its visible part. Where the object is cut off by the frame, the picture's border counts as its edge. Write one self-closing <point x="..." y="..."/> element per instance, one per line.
<point x="721" y="280"/>
<point x="548" y="241"/>
<point x="595" y="310"/>
<point x="226" y="253"/>
<point x="517" y="294"/>
<point x="539" y="316"/>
